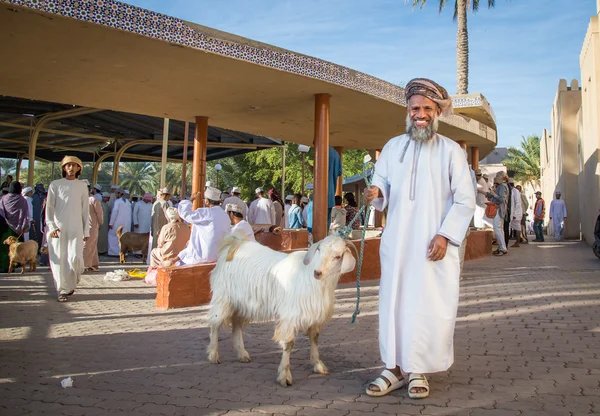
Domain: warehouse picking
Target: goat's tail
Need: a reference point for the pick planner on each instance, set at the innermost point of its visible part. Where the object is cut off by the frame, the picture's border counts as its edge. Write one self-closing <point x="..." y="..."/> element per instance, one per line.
<point x="120" y="231"/>
<point x="232" y="243"/>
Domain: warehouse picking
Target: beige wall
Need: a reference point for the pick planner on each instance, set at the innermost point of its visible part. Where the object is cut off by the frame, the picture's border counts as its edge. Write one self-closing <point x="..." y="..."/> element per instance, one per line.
<point x="559" y="156"/>
<point x="589" y="129"/>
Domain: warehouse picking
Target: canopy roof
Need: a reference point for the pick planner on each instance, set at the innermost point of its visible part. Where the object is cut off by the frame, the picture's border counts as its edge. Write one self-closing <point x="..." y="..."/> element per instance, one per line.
<point x="94" y="134"/>
<point x="110" y="55"/>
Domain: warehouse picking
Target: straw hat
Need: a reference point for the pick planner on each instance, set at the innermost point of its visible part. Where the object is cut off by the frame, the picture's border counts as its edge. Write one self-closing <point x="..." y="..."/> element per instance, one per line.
<point x="71" y="159"/>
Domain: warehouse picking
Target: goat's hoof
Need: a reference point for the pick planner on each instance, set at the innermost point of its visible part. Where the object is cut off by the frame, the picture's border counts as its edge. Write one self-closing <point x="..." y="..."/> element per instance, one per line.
<point x="244" y="358"/>
<point x="285" y="379"/>
<point x="320" y="368"/>
<point x="213" y="358"/>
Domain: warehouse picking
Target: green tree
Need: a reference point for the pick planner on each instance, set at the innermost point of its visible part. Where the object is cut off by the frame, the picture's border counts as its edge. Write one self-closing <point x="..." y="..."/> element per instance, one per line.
<point x="137" y="177"/>
<point x="8" y="167"/>
<point x="524" y="164"/>
<point x="462" y="36"/>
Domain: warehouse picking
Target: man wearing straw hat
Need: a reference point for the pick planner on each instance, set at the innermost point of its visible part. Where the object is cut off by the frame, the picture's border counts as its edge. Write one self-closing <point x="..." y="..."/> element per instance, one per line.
<point x="67" y="216"/>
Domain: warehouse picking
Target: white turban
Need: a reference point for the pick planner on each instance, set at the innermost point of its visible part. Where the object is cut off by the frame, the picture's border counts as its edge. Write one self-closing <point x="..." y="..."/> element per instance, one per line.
<point x="172" y="214"/>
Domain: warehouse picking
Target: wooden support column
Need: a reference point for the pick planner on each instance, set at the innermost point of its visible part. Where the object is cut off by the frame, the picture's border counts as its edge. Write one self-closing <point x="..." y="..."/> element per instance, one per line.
<point x="199" y="161"/>
<point x="340" y="181"/>
<point x="184" y="167"/>
<point x="165" y="149"/>
<point x="475" y="157"/>
<point x="18" y="170"/>
<point x="319" y="220"/>
<point x="379" y="216"/>
<point x="462" y="144"/>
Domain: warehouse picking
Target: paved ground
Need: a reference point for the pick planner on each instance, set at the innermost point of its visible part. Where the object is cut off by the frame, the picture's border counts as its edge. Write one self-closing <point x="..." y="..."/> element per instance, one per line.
<point x="527" y="343"/>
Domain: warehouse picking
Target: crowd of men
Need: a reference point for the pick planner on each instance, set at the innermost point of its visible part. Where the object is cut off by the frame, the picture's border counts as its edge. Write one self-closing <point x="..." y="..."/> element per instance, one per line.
<point x="512" y="210"/>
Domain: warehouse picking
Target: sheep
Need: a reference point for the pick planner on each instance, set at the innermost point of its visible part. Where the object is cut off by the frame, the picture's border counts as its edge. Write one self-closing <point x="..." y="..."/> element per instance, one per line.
<point x="253" y="283"/>
<point x="22" y="253"/>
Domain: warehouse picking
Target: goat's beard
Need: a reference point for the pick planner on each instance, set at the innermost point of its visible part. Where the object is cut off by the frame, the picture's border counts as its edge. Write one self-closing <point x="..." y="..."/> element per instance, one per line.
<point x="421" y="135"/>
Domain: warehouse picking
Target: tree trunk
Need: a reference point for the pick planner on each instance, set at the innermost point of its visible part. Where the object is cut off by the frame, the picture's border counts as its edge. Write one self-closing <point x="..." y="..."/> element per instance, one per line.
<point x="462" y="48"/>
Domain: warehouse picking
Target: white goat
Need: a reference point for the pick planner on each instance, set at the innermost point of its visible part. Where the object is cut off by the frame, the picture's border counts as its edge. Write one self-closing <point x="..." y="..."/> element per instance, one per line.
<point x="253" y="283"/>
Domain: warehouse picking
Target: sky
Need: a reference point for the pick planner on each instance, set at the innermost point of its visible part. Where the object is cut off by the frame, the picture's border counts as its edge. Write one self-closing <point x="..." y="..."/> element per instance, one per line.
<point x="518" y="51"/>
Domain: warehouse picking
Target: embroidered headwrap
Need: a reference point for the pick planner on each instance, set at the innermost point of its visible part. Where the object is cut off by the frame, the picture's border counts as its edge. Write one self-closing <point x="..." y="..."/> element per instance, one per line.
<point x="433" y="91"/>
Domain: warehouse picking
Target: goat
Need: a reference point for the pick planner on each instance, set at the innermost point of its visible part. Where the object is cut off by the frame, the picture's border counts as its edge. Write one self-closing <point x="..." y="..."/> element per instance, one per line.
<point x="131" y="241"/>
<point x="253" y="283"/>
<point x="22" y="253"/>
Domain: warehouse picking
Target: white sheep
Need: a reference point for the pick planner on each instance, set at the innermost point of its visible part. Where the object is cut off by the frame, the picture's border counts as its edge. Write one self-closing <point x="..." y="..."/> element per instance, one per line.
<point x="253" y="283"/>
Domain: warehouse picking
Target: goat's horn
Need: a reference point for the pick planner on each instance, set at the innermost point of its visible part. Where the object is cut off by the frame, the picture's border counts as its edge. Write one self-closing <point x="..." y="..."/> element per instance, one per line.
<point x="311" y="253"/>
<point x="353" y="247"/>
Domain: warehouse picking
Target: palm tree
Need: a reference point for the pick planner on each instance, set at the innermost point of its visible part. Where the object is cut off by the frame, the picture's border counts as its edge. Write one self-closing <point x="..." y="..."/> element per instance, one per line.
<point x="524" y="163"/>
<point x="462" y="36"/>
<point x="8" y="167"/>
<point x="137" y="177"/>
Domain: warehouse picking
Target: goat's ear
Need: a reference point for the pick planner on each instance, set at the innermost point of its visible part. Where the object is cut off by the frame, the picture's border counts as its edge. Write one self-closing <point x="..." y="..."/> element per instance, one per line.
<point x="310" y="254"/>
<point x="348" y="262"/>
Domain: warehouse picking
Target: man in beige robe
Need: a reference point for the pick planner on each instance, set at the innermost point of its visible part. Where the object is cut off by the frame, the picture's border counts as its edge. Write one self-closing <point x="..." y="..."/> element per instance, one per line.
<point x="159" y="218"/>
<point x="90" y="247"/>
<point x="172" y="239"/>
<point x="103" y="231"/>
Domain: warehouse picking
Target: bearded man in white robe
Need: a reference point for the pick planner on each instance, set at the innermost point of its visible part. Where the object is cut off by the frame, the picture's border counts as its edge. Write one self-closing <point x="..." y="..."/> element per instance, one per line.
<point x="423" y="179"/>
<point x="120" y="215"/>
<point x="67" y="216"/>
<point x="558" y="216"/>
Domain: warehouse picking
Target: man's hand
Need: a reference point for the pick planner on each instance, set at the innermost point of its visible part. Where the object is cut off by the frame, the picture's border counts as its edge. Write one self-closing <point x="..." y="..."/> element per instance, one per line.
<point x="136" y="226"/>
<point x="54" y="234"/>
<point x="550" y="217"/>
<point x="371" y="193"/>
<point x="85" y="239"/>
<point x="110" y="227"/>
<point x="437" y="248"/>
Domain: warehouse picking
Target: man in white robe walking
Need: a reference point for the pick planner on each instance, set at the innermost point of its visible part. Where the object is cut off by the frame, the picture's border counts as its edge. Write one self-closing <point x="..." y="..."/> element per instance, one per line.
<point x="120" y="215"/>
<point x="67" y="215"/>
<point x="558" y="216"/>
<point x="423" y="178"/>
<point x="210" y="225"/>
<point x="262" y="210"/>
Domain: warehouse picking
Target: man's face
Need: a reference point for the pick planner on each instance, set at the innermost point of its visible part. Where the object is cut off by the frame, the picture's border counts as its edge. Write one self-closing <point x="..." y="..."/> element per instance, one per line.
<point x="518" y="188"/>
<point x="557" y="196"/>
<point x="71" y="169"/>
<point x="166" y="197"/>
<point x="105" y="198"/>
<point x="538" y="196"/>
<point x="422" y="111"/>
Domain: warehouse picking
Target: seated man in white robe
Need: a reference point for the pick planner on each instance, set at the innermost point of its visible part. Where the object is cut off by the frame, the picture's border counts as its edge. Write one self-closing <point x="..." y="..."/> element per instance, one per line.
<point x="424" y="180"/>
<point x="209" y="226"/>
<point x="238" y="223"/>
<point x="172" y="239"/>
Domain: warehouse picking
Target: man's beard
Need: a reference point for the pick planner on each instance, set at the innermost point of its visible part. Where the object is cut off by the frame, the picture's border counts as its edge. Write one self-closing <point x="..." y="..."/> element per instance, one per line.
<point x="421" y="135"/>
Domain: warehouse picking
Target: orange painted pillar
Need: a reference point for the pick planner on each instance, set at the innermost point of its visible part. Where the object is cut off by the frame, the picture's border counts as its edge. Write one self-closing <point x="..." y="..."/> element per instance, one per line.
<point x="475" y="157"/>
<point x="319" y="220"/>
<point x="462" y="144"/>
<point x="199" y="160"/>
<point x="184" y="162"/>
<point x="340" y="181"/>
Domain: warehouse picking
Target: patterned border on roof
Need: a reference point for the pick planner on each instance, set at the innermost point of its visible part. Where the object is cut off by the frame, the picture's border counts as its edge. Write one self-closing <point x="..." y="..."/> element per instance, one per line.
<point x="151" y="24"/>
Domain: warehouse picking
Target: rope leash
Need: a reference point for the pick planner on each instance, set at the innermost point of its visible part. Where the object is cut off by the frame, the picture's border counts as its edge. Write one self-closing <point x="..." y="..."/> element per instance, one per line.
<point x="368" y="170"/>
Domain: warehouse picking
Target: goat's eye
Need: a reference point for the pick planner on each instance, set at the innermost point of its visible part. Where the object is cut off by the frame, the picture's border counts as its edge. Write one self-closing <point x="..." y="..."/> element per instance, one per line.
<point x="337" y="257"/>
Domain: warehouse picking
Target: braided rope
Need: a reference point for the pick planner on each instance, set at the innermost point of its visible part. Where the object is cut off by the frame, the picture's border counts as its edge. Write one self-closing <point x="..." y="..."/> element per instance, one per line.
<point x="347" y="230"/>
